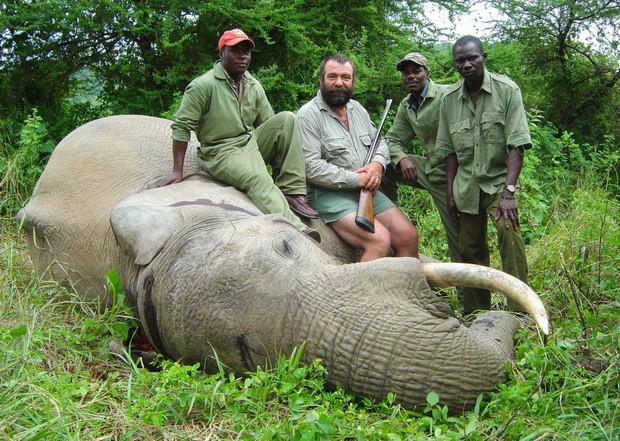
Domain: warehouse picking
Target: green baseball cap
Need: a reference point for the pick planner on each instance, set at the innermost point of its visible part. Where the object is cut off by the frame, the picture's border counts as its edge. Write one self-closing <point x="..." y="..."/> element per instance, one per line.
<point x="414" y="57"/>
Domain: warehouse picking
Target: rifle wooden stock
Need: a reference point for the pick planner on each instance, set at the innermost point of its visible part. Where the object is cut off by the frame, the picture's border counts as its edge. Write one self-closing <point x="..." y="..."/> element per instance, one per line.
<point x="365" y="217"/>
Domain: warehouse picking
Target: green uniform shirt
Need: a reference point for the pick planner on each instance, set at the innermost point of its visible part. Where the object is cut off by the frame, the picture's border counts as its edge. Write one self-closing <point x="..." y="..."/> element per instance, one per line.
<point x="333" y="152"/>
<point x="211" y="108"/>
<point x="481" y="136"/>
<point x="423" y="125"/>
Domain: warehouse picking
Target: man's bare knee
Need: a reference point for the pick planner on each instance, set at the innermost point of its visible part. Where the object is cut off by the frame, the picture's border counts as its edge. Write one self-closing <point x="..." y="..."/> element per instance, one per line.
<point x="405" y="240"/>
<point x="380" y="241"/>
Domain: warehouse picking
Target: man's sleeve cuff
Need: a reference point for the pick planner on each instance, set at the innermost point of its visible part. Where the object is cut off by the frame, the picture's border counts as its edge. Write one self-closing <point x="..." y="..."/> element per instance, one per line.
<point x="179" y="135"/>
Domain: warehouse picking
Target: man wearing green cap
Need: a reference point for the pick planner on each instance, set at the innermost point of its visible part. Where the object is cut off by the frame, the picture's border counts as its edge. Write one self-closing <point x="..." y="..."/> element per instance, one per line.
<point x="238" y="133"/>
<point x="417" y="117"/>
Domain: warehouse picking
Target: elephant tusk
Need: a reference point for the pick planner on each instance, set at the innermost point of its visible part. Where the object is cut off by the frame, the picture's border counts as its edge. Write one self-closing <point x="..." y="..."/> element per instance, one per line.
<point x="448" y="274"/>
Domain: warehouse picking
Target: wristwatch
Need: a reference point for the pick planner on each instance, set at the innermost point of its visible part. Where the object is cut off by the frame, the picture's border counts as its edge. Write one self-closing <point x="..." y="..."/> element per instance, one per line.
<point x="511" y="188"/>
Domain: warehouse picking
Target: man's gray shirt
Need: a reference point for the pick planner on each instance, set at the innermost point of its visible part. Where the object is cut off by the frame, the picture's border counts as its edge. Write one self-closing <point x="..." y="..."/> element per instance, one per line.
<point x="333" y="152"/>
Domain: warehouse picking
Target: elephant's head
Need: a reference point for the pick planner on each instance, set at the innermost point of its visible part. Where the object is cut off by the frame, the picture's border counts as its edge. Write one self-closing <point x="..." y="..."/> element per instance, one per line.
<point x="216" y="277"/>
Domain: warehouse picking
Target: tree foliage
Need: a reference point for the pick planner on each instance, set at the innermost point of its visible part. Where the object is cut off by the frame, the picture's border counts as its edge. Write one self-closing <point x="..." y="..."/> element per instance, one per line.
<point x="78" y="60"/>
<point x="145" y="52"/>
<point x="572" y="49"/>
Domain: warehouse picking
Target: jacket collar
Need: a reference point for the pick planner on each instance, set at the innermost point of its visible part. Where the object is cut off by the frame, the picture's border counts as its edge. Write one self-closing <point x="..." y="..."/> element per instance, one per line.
<point x="487" y="86"/>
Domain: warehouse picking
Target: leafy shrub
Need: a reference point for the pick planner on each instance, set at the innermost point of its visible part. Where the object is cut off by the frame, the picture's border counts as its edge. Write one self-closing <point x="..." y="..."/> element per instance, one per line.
<point x="23" y="164"/>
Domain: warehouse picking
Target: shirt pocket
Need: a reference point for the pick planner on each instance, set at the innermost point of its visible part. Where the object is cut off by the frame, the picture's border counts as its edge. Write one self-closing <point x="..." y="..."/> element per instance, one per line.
<point x="426" y="128"/>
<point x="462" y="137"/>
<point x="249" y="114"/>
<point x="365" y="140"/>
<point x="336" y="151"/>
<point x="492" y="125"/>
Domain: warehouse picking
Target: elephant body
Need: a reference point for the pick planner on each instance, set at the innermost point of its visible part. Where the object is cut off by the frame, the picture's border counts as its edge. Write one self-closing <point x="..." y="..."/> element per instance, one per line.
<point x="208" y="274"/>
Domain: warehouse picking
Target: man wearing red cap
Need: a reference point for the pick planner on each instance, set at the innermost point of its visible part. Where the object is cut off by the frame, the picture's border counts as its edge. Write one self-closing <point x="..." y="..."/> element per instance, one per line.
<point x="238" y="133"/>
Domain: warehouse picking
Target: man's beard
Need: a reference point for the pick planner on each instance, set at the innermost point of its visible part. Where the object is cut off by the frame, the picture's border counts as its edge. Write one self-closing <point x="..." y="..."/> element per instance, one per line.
<point x="336" y="97"/>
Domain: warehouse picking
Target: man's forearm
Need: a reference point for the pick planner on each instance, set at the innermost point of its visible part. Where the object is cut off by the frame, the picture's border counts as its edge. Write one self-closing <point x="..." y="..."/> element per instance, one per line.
<point x="514" y="166"/>
<point x="178" y="154"/>
<point x="320" y="173"/>
<point x="451" y="167"/>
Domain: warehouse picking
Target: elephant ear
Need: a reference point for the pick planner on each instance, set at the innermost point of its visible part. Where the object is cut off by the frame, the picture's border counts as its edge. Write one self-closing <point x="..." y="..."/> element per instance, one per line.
<point x="141" y="231"/>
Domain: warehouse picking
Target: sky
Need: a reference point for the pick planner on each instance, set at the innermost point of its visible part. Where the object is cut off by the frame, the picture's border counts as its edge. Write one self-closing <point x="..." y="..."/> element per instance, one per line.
<point x="467" y="24"/>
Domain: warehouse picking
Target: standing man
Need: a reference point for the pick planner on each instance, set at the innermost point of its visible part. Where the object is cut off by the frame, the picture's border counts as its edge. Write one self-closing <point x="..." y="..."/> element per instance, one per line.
<point x="336" y="133"/>
<point x="418" y="117"/>
<point x="483" y="133"/>
<point x="238" y="133"/>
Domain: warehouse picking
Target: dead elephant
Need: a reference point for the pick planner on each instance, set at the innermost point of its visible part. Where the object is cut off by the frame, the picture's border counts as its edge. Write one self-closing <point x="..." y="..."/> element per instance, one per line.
<point x="207" y="272"/>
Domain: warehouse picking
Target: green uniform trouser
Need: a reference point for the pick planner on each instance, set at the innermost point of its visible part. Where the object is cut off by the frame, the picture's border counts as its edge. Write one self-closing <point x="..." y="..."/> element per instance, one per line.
<point x="437" y="190"/>
<point x="278" y="139"/>
<point x="474" y="249"/>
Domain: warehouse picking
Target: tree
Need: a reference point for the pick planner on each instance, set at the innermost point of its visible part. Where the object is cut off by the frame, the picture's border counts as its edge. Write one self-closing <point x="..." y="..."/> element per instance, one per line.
<point x="572" y="47"/>
<point x="144" y="52"/>
<point x="130" y="45"/>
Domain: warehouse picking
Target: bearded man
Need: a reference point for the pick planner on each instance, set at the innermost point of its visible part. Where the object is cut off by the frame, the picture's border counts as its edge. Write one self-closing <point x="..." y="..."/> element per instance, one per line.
<point x="336" y="133"/>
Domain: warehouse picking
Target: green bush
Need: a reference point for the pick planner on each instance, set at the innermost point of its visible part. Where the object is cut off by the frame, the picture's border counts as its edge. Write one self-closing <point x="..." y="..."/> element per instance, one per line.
<point x="23" y="162"/>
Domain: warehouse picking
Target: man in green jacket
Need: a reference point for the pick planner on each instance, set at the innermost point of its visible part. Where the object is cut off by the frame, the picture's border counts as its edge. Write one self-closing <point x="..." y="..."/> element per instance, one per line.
<point x="483" y="134"/>
<point x="238" y="133"/>
<point x="417" y="118"/>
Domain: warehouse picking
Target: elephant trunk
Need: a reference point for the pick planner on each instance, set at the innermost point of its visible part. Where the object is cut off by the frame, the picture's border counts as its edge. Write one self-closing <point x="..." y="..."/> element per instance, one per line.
<point x="411" y="356"/>
<point x="396" y="337"/>
<point x="444" y="275"/>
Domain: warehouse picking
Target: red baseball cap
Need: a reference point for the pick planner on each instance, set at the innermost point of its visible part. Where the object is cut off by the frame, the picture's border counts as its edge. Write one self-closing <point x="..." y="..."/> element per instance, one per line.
<point x="233" y="37"/>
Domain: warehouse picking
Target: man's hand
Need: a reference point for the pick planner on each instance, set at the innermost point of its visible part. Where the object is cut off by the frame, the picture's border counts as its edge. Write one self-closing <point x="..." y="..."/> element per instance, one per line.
<point x="452" y="166"/>
<point x="453" y="211"/>
<point x="171" y="179"/>
<point x="408" y="169"/>
<point x="178" y="156"/>
<point x="370" y="176"/>
<point x="507" y="208"/>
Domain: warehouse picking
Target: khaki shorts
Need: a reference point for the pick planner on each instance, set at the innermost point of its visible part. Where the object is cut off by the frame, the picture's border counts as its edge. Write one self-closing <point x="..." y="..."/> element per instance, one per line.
<point x="335" y="204"/>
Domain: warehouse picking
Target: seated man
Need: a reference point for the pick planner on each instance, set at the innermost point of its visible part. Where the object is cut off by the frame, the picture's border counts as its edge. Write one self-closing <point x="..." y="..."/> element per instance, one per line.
<point x="223" y="107"/>
<point x="336" y="133"/>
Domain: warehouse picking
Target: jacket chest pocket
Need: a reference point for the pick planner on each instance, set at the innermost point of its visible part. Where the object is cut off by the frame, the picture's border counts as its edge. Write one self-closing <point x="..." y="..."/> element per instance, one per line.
<point x="462" y="136"/>
<point x="365" y="140"/>
<point x="249" y="114"/>
<point x="426" y="128"/>
<point x="336" y="151"/>
<point x="492" y="125"/>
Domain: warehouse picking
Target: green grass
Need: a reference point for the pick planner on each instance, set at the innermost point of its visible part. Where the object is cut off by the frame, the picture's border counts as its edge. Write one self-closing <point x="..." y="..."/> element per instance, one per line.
<point x="58" y="379"/>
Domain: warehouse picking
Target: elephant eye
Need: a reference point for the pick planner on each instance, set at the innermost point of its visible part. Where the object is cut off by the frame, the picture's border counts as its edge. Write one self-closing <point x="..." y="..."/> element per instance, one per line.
<point x="285" y="245"/>
<point x="285" y="249"/>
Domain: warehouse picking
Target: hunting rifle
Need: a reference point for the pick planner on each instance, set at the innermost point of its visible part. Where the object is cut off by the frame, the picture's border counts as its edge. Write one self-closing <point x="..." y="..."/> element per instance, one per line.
<point x="365" y="217"/>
